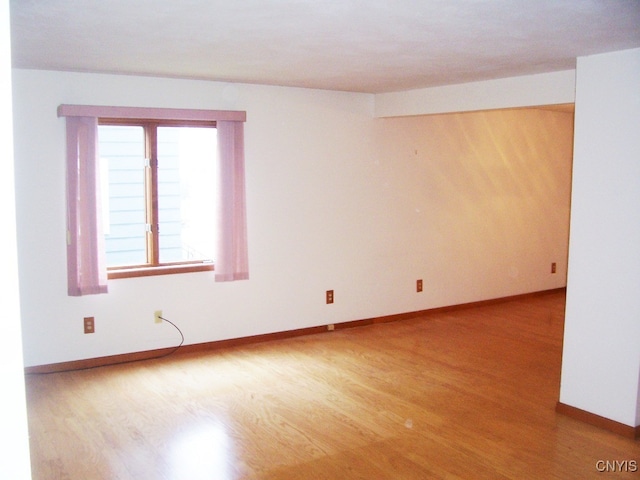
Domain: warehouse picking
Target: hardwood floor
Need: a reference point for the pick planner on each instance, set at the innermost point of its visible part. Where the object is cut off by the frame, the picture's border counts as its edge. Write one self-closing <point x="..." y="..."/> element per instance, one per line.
<point x="465" y="394"/>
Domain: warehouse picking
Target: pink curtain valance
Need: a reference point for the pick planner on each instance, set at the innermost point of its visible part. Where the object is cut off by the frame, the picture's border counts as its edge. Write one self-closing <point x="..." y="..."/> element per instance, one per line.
<point x="151" y="113"/>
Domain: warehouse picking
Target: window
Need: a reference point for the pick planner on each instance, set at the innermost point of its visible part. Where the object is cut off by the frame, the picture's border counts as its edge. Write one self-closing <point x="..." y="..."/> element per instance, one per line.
<point x="159" y="213"/>
<point x="144" y="196"/>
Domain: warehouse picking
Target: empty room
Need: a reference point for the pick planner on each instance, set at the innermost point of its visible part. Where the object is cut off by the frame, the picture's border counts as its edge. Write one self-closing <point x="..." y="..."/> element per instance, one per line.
<point x="294" y="239"/>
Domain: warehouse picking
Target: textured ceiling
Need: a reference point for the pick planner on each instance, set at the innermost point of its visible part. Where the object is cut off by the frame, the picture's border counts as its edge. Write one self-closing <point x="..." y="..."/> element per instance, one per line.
<point x="352" y="45"/>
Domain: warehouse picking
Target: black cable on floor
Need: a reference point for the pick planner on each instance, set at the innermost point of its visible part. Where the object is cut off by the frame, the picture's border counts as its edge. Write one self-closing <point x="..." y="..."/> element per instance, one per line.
<point x="175" y="349"/>
<point x="181" y="340"/>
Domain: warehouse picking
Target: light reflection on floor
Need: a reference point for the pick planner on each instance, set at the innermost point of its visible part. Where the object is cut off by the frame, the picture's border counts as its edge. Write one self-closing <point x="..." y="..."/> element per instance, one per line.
<point x="202" y="452"/>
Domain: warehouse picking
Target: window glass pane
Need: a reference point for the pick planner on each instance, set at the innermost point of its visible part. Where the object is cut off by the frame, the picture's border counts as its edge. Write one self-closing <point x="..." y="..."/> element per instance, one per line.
<point x="186" y="200"/>
<point x="121" y="150"/>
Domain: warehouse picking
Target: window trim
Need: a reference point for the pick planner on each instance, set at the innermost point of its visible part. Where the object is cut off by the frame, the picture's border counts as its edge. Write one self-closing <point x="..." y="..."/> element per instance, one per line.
<point x="86" y="269"/>
<point x="114" y="273"/>
<point x="153" y="265"/>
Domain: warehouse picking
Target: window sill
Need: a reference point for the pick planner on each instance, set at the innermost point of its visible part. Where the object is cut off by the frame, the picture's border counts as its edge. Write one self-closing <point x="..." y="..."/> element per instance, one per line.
<point x="159" y="270"/>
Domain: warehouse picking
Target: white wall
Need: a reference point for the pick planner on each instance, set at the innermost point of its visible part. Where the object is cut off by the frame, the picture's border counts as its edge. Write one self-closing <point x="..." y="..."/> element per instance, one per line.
<point x="601" y="359"/>
<point x="14" y="441"/>
<point x="475" y="204"/>
<point x="464" y="201"/>
<point x="526" y="91"/>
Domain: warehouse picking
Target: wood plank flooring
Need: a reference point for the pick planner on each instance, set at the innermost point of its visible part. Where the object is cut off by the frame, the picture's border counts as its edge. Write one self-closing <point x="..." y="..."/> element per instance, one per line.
<point x="465" y="394"/>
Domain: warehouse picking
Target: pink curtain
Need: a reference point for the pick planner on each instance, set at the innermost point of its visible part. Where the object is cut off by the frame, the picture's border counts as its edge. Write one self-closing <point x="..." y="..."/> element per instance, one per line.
<point x="231" y="262"/>
<point x="86" y="263"/>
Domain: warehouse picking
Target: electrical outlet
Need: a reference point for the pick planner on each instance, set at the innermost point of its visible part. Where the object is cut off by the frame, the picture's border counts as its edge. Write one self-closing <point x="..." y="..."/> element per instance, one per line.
<point x="89" y="325"/>
<point x="553" y="267"/>
<point x="329" y="296"/>
<point x="157" y="316"/>
<point x="419" y="285"/>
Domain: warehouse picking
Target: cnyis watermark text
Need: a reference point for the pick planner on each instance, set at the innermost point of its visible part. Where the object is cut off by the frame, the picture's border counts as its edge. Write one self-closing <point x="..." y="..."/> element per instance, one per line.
<point x="616" y="466"/>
